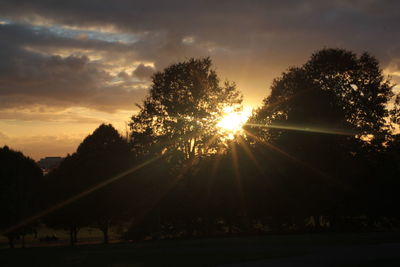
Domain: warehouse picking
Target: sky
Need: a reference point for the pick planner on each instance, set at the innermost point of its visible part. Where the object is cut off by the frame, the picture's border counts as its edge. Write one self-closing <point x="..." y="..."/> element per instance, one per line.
<point x="68" y="66"/>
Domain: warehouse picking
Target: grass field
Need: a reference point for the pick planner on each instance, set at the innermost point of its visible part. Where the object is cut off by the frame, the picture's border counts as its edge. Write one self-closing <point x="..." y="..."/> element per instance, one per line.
<point x="325" y="249"/>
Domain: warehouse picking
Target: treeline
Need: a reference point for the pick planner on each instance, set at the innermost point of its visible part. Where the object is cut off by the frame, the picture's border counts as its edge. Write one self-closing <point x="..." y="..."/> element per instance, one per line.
<point x="321" y="153"/>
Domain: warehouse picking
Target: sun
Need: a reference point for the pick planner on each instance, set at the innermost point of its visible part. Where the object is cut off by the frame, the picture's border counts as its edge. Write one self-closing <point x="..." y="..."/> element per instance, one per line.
<point x="232" y="121"/>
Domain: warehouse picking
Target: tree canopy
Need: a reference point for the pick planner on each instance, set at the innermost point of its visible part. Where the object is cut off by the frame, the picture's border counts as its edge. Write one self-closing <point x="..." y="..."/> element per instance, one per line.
<point x="334" y="90"/>
<point x="20" y="180"/>
<point x="319" y="154"/>
<point x="182" y="109"/>
<point x="102" y="155"/>
<point x="326" y="118"/>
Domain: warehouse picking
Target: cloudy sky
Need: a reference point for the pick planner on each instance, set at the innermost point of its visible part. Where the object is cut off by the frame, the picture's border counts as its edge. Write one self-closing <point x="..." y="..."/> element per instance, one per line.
<point x="67" y="66"/>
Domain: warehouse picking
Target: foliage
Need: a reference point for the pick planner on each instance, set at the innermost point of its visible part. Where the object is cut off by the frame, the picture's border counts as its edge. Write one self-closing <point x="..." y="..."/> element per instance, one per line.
<point x="336" y="90"/>
<point x="328" y="118"/>
<point x="184" y="105"/>
<point x="20" y="181"/>
<point x="100" y="157"/>
<point x="319" y="154"/>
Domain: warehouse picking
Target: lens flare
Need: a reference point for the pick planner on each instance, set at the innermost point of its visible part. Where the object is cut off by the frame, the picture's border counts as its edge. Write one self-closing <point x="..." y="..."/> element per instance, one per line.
<point x="232" y="121"/>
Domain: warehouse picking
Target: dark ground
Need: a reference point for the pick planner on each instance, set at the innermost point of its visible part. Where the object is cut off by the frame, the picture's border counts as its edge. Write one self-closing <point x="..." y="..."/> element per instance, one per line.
<point x="323" y="249"/>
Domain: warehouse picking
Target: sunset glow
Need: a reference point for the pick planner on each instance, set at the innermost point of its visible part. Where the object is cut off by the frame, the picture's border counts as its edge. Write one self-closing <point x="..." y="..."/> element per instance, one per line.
<point x="184" y="132"/>
<point x="64" y="71"/>
<point x="232" y="121"/>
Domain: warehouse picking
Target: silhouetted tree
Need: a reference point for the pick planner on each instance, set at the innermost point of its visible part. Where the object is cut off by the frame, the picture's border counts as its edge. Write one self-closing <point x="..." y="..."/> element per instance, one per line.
<point x="395" y="112"/>
<point x="355" y="92"/>
<point x="320" y="115"/>
<point x="183" y="107"/>
<point x="101" y="156"/>
<point x="380" y="193"/>
<point x="62" y="184"/>
<point x="20" y="181"/>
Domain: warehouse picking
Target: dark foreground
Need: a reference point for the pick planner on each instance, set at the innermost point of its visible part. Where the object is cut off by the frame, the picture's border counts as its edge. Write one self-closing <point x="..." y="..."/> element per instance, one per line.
<point x="327" y="249"/>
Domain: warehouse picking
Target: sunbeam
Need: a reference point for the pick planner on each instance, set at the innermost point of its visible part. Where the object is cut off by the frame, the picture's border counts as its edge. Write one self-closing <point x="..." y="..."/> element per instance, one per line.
<point x="250" y="154"/>
<point x="238" y="179"/>
<point x="232" y="121"/>
<point x="287" y="155"/>
<point x="305" y="129"/>
<point x="294" y="159"/>
<point x="79" y="196"/>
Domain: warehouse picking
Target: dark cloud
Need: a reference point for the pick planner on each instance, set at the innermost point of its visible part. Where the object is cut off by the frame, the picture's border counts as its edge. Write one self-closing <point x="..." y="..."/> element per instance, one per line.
<point x="35" y="115"/>
<point x="48" y="38"/>
<point x="251" y="42"/>
<point x="28" y="77"/>
<point x="143" y="72"/>
<point x="221" y="20"/>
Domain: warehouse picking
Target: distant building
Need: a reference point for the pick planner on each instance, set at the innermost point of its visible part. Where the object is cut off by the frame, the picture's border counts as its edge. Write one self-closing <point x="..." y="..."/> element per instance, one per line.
<point x="49" y="163"/>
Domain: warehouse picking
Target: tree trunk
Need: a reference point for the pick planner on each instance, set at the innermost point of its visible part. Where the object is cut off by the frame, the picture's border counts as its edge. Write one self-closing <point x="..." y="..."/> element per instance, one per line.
<point x="333" y="222"/>
<point x="104" y="229"/>
<point x="71" y="236"/>
<point x="159" y="228"/>
<point x="317" y="222"/>
<point x="230" y="227"/>
<point x="189" y="228"/>
<point x="11" y="241"/>
<point x="246" y="224"/>
<point x="207" y="226"/>
<point x="23" y="240"/>
<point x="76" y="234"/>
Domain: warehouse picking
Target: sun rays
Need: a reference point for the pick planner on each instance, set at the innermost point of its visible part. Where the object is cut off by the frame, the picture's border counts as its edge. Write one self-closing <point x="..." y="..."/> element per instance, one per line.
<point x="230" y="127"/>
<point x="232" y="121"/>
